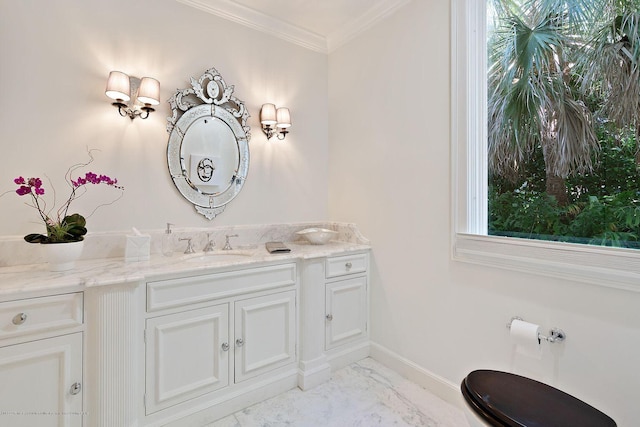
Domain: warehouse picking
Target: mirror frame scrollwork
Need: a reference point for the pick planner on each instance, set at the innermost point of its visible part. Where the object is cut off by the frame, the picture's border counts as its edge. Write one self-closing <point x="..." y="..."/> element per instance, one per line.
<point x="209" y="96"/>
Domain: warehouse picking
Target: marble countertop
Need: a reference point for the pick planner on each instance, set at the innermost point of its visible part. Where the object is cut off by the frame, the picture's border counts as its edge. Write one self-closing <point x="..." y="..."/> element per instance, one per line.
<point x="112" y="271"/>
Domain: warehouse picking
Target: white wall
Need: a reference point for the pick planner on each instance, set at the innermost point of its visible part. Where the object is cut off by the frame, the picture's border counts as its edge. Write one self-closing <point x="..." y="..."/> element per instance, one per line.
<point x="390" y="172"/>
<point x="55" y="57"/>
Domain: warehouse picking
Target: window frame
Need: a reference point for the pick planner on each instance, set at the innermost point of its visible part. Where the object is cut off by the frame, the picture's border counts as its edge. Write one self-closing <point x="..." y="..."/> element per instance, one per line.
<point x="604" y="266"/>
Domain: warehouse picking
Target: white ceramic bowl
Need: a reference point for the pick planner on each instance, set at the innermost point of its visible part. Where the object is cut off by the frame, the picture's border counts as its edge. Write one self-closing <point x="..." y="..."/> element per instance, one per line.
<point x="317" y="236"/>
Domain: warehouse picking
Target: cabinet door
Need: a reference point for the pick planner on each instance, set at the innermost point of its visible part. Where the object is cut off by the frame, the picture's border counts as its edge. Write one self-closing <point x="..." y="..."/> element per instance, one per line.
<point x="265" y="334"/>
<point x="346" y="311"/>
<point x="187" y="356"/>
<point x="41" y="383"/>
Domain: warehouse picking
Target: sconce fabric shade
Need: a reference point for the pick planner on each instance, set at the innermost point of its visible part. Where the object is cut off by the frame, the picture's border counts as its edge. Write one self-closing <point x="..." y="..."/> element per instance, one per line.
<point x="275" y="122"/>
<point x="118" y="86"/>
<point x="268" y="114"/>
<point x="283" y="117"/>
<point x="146" y="91"/>
<point x="149" y="92"/>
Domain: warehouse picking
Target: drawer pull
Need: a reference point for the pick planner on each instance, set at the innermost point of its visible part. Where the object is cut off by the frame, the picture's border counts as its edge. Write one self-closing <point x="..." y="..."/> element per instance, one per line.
<point x="75" y="388"/>
<point x="239" y="342"/>
<point x="348" y="266"/>
<point x="19" y="319"/>
<point x="225" y="346"/>
<point x="329" y="317"/>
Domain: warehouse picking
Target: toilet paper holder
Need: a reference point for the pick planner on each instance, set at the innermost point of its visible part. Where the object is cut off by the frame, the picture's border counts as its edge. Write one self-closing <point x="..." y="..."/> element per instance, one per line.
<point x="555" y="334"/>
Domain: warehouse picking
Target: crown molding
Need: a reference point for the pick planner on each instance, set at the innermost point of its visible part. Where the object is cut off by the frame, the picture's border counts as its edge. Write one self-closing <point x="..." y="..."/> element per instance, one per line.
<point x="251" y="18"/>
<point x="362" y="23"/>
<point x="262" y="22"/>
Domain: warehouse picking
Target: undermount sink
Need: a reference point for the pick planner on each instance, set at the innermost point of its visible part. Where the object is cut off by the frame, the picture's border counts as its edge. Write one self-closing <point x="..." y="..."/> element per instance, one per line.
<point x="217" y="256"/>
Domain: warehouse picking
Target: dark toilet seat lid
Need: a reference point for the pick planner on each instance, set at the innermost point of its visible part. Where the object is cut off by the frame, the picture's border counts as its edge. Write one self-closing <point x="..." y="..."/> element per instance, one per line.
<point x="507" y="399"/>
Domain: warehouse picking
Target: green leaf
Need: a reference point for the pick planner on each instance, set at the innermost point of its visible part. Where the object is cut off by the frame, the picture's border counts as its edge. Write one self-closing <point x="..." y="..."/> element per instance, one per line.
<point x="36" y="238"/>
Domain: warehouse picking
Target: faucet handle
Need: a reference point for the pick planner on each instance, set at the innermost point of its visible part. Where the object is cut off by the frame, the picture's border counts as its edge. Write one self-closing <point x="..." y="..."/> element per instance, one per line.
<point x="211" y="244"/>
<point x="189" y="249"/>
<point x="227" y="245"/>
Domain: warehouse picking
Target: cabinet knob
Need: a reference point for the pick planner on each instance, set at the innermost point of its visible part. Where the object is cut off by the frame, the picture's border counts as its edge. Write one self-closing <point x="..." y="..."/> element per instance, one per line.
<point x="225" y="346"/>
<point x="19" y="319"/>
<point x="329" y="317"/>
<point x="75" y="388"/>
<point x="239" y="342"/>
<point x="348" y="266"/>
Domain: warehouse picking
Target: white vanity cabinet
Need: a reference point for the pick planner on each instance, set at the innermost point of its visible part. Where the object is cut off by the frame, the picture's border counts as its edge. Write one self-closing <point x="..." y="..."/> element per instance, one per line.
<point x="346" y="300"/>
<point x="212" y="337"/>
<point x="41" y="361"/>
<point x="175" y="341"/>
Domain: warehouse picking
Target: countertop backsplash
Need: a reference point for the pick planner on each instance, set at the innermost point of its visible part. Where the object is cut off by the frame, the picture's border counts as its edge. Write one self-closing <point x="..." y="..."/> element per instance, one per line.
<point x="15" y="251"/>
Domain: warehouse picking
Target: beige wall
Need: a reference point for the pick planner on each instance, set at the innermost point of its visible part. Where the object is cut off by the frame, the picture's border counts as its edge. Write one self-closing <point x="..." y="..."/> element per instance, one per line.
<point x="55" y="57"/>
<point x="390" y="172"/>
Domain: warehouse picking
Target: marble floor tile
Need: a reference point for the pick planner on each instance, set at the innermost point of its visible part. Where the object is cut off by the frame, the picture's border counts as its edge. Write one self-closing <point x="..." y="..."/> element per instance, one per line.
<point x="364" y="394"/>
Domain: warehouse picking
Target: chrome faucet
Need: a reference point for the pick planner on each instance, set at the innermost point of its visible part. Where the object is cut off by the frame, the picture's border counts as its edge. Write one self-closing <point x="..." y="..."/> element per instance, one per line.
<point x="227" y="245"/>
<point x="189" y="249"/>
<point x="211" y="245"/>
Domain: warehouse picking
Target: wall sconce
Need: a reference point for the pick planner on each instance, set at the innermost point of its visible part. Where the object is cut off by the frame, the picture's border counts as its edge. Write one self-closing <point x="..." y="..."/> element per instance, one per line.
<point x="275" y="121"/>
<point x="133" y="97"/>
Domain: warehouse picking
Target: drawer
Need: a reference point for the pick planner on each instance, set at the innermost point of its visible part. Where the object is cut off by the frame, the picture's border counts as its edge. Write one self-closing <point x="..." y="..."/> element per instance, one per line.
<point x="348" y="264"/>
<point x="172" y="293"/>
<point x="35" y="315"/>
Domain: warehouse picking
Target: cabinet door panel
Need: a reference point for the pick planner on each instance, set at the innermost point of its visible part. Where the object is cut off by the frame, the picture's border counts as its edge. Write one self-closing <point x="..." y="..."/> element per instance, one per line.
<point x="187" y="356"/>
<point x="36" y="379"/>
<point x="346" y="305"/>
<point x="265" y="334"/>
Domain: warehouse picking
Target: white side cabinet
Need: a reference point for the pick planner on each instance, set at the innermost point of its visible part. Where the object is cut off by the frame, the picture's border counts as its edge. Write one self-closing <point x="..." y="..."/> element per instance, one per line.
<point x="41" y="362"/>
<point x="214" y="337"/>
<point x="346" y="300"/>
<point x="335" y="315"/>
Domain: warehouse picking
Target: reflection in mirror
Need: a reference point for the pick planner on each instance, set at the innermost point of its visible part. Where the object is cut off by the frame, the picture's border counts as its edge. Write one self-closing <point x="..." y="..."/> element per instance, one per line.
<point x="209" y="163"/>
<point x="208" y="151"/>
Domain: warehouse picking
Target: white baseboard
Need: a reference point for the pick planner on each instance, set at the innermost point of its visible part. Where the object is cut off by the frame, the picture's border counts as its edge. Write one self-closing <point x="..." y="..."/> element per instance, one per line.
<point x="312" y="373"/>
<point x="441" y="387"/>
<point x="340" y="358"/>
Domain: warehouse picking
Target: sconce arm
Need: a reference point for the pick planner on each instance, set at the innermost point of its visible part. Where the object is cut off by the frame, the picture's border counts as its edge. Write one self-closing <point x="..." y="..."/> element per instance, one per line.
<point x="125" y="111"/>
<point x="268" y="130"/>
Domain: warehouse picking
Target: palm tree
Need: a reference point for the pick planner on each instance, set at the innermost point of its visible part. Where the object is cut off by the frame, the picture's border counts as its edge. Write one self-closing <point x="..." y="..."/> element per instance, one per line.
<point x="534" y="103"/>
<point x="610" y="66"/>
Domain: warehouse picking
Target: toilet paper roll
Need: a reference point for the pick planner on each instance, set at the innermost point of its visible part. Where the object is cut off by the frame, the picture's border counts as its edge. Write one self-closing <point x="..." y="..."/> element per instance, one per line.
<point x="525" y="337"/>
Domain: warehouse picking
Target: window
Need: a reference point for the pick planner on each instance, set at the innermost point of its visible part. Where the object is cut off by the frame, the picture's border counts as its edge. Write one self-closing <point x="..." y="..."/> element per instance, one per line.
<point x="472" y="242"/>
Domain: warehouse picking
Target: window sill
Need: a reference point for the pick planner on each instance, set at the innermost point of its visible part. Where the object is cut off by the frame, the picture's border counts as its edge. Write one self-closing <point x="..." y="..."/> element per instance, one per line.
<point x="603" y="266"/>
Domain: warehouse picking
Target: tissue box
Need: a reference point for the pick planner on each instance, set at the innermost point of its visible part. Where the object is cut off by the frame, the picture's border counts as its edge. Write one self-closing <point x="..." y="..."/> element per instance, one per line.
<point x="138" y="248"/>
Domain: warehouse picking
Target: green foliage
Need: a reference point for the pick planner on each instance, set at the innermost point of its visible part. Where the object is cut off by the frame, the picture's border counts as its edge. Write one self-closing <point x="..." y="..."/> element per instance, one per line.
<point x="71" y="229"/>
<point x="604" y="208"/>
<point x="615" y="170"/>
<point x="610" y="221"/>
<point x="526" y="212"/>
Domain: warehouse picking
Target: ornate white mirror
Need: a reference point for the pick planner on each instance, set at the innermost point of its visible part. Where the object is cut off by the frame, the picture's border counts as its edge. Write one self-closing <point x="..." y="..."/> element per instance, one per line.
<point x="208" y="151"/>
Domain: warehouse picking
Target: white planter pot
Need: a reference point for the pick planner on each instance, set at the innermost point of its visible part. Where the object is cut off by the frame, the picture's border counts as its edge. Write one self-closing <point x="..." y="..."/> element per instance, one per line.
<point x="62" y="256"/>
